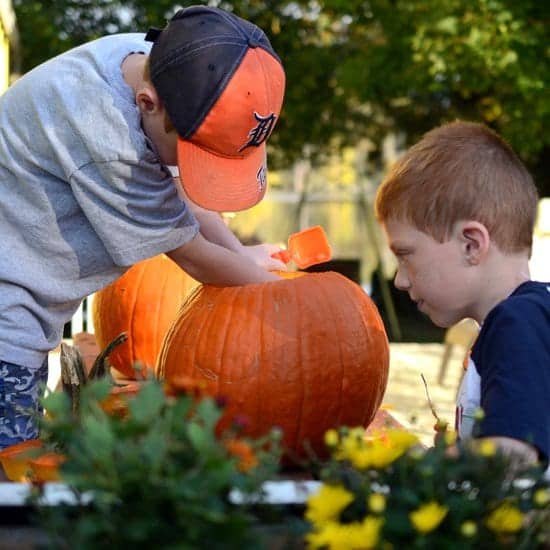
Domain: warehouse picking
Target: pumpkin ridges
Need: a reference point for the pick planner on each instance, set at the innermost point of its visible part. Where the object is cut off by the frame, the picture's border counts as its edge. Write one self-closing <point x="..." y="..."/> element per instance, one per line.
<point x="171" y="289"/>
<point x="350" y="368"/>
<point x="203" y="344"/>
<point x="294" y="437"/>
<point x="223" y="326"/>
<point x="383" y="350"/>
<point x="156" y="306"/>
<point x="271" y="339"/>
<point x="287" y="379"/>
<point x="126" y="306"/>
<point x="334" y="314"/>
<point x="322" y="386"/>
<point x="133" y="315"/>
<point x="302" y="354"/>
<point x="380" y="339"/>
<point x="159" y="306"/>
<point x="261" y="380"/>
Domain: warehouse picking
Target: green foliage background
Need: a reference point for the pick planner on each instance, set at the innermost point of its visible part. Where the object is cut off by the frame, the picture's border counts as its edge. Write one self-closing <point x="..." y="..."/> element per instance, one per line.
<point x="361" y="68"/>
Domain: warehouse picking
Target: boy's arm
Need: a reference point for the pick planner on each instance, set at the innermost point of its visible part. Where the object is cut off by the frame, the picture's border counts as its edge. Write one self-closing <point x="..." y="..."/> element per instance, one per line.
<point x="214" y="229"/>
<point x="211" y="263"/>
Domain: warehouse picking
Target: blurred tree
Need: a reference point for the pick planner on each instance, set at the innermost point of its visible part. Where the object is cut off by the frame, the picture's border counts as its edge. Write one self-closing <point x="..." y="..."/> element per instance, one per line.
<point x="363" y="68"/>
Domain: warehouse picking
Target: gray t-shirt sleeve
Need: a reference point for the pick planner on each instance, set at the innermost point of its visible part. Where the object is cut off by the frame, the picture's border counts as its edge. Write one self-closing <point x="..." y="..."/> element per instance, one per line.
<point x="134" y="208"/>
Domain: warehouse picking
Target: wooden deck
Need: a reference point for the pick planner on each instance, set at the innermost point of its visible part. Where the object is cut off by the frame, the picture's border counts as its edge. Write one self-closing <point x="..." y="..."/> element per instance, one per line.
<point x="405" y="396"/>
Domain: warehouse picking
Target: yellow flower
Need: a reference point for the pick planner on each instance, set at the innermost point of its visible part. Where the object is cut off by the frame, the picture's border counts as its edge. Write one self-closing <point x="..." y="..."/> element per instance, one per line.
<point x="479" y="414"/>
<point x="377" y="502"/>
<point x="377" y="451"/>
<point x="486" y="447"/>
<point x="468" y="528"/>
<point x="326" y="505"/>
<point x="361" y="458"/>
<point x="450" y="437"/>
<point x="541" y="497"/>
<point x="351" y="443"/>
<point x="349" y="536"/>
<point x="402" y="439"/>
<point x="505" y="519"/>
<point x="428" y="516"/>
<point x="331" y="438"/>
<point x="391" y="446"/>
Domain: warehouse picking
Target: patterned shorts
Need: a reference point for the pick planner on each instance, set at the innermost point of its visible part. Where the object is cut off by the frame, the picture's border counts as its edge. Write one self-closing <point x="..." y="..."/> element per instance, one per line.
<point x="20" y="391"/>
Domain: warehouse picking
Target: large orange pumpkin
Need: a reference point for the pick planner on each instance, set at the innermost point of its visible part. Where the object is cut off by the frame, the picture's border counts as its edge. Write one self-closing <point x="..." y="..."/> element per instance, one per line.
<point x="304" y="354"/>
<point x="142" y="302"/>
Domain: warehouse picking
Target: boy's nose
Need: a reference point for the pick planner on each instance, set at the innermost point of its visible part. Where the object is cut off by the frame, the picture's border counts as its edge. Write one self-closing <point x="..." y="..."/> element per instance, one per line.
<point x="401" y="281"/>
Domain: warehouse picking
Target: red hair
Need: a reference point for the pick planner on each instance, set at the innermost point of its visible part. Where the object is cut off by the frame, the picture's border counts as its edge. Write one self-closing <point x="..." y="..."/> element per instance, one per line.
<point x="462" y="171"/>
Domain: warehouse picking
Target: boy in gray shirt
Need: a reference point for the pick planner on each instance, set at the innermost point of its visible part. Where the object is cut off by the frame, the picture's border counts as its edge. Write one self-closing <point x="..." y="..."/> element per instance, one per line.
<point x="86" y="140"/>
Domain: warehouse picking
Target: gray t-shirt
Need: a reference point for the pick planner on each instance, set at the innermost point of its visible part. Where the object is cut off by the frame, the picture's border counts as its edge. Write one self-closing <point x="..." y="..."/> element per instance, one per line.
<point x="83" y="195"/>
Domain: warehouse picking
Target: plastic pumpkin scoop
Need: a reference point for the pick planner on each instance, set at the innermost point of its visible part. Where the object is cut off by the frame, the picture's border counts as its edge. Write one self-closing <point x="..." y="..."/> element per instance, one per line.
<point x="306" y="248"/>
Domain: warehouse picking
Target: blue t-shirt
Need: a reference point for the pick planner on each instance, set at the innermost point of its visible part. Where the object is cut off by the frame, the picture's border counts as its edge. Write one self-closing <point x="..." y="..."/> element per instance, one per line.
<point x="508" y="374"/>
<point x="83" y="193"/>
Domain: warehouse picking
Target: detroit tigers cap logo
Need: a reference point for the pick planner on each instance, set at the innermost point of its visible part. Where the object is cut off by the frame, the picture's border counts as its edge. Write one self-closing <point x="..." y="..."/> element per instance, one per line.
<point x="261" y="131"/>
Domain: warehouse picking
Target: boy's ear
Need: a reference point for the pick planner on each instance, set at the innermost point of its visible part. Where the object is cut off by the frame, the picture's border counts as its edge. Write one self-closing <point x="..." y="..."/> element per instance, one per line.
<point x="148" y="100"/>
<point x="475" y="241"/>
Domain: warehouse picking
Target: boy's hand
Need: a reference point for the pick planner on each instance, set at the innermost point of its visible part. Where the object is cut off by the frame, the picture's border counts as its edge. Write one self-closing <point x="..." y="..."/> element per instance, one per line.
<point x="213" y="264"/>
<point x="261" y="255"/>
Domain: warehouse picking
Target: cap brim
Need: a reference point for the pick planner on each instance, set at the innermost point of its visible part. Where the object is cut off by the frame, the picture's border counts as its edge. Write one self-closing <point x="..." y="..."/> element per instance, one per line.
<point x="220" y="183"/>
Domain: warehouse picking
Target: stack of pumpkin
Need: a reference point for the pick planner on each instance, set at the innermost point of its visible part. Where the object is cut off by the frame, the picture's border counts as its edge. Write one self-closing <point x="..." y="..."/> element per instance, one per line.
<point x="306" y="353"/>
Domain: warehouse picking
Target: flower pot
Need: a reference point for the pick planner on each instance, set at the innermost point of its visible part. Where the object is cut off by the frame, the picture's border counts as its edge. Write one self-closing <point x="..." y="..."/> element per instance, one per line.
<point x="46" y="467"/>
<point x="16" y="459"/>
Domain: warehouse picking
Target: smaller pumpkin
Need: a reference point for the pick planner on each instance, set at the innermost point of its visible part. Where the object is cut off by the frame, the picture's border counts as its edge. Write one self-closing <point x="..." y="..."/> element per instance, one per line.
<point x="142" y="303"/>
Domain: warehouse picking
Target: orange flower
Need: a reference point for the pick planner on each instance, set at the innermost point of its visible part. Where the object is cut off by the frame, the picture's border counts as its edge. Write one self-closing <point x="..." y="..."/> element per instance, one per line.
<point x="185" y="385"/>
<point x="15" y="459"/>
<point x="116" y="403"/>
<point x="46" y="467"/>
<point x="242" y="450"/>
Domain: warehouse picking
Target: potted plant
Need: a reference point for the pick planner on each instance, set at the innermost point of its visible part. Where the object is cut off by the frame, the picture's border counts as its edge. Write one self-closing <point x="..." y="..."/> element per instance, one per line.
<point x="159" y="475"/>
<point x="386" y="492"/>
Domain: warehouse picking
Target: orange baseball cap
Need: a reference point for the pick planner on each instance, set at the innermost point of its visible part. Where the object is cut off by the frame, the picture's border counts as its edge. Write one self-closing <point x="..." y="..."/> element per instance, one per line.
<point x="223" y="87"/>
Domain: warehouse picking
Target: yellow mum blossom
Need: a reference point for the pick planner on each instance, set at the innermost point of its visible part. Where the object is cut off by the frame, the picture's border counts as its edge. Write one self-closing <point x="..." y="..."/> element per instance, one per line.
<point x="350" y="536"/>
<point x="541" y="497"/>
<point x="331" y="438"/>
<point x="389" y="448"/>
<point x="479" y="414"/>
<point x="428" y="516"/>
<point x="361" y="458"/>
<point x="505" y="519"/>
<point x="326" y="505"/>
<point x="468" y="528"/>
<point x="377" y="502"/>
<point x="351" y="443"/>
<point x="378" y="451"/>
<point x="402" y="439"/>
<point x="450" y="437"/>
<point x="486" y="447"/>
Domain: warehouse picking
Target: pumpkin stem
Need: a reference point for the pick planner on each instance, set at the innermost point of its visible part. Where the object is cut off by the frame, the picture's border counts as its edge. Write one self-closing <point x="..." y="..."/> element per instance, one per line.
<point x="73" y="374"/>
<point x="101" y="366"/>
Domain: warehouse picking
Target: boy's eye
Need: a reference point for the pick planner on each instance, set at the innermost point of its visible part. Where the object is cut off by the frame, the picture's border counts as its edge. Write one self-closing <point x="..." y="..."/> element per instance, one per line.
<point x="402" y="255"/>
